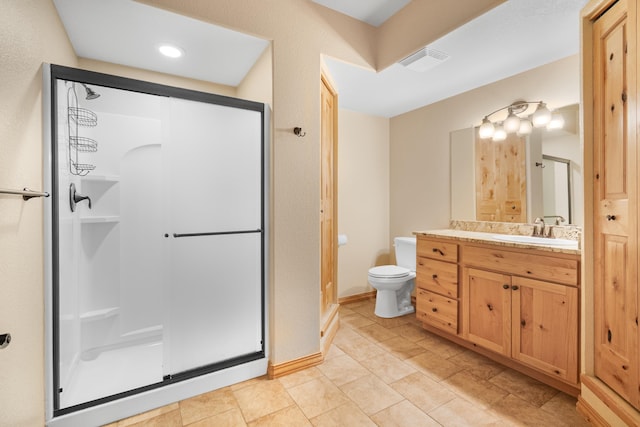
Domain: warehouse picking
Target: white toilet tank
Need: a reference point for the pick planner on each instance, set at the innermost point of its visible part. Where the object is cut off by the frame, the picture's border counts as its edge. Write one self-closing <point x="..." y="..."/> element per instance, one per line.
<point x="405" y="252"/>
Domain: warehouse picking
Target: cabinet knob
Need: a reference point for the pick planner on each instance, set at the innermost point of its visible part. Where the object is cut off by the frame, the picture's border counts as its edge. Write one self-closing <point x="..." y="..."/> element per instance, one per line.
<point x="611" y="217"/>
<point x="505" y="286"/>
<point x="514" y="287"/>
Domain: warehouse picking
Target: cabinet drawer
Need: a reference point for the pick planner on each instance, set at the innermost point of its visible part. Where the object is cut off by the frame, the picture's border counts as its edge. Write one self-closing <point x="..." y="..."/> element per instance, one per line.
<point x="434" y="249"/>
<point x="437" y="276"/>
<point x="559" y="270"/>
<point x="437" y="311"/>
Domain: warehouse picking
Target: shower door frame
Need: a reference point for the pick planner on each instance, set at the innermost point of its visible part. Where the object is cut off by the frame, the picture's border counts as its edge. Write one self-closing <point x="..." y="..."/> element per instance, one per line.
<point x="201" y="379"/>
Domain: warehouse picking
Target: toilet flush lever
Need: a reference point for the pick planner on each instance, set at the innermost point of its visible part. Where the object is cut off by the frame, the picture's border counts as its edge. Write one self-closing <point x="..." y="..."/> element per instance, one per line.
<point x="75" y="197"/>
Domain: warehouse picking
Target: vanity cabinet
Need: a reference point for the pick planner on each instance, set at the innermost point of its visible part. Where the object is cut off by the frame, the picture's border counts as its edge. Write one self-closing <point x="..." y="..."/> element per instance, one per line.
<point x="518" y="306"/>
<point x="523" y="305"/>
<point x="437" y="283"/>
<point x="532" y="321"/>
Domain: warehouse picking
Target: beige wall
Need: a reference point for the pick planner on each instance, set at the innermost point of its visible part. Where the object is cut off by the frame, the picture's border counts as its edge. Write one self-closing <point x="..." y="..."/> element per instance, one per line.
<point x="257" y="85"/>
<point x="30" y="33"/>
<point x="419" y="158"/>
<point x="363" y="198"/>
<point x="155" y="77"/>
<point x="394" y="42"/>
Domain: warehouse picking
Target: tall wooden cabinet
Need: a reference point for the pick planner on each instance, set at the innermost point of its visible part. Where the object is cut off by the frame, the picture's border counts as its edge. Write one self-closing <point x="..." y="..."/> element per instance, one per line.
<point x="615" y="201"/>
<point x="610" y="96"/>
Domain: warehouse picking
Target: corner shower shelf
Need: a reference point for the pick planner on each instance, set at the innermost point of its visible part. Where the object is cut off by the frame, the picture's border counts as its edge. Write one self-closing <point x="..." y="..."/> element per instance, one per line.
<point x="103" y="313"/>
<point x="100" y="219"/>
<point x="83" y="117"/>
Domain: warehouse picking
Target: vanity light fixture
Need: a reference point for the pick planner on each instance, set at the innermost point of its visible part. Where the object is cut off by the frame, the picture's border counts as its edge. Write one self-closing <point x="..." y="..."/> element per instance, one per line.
<point x="170" y="51"/>
<point x="518" y="120"/>
<point x="500" y="134"/>
<point x="557" y="122"/>
<point x="512" y="122"/>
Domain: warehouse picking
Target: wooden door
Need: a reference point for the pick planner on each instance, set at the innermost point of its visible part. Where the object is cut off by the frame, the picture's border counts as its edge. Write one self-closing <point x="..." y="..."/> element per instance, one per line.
<point x="545" y="327"/>
<point x="487" y="309"/>
<point x="615" y="201"/>
<point x="328" y="196"/>
<point x="501" y="179"/>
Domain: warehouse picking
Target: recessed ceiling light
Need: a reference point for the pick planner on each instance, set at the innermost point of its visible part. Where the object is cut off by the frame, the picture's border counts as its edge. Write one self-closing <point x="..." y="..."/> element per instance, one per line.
<point x="170" y="51"/>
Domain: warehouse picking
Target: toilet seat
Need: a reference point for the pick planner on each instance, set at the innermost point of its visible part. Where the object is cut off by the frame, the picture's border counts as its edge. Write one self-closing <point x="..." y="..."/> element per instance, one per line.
<point x="389" y="272"/>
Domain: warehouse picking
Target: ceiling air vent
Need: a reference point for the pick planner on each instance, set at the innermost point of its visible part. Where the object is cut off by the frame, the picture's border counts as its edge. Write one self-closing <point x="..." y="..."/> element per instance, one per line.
<point x="424" y="59"/>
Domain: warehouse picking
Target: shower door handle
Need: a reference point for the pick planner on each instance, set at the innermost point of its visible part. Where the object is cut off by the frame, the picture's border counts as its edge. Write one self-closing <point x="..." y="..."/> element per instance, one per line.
<point x="215" y="233"/>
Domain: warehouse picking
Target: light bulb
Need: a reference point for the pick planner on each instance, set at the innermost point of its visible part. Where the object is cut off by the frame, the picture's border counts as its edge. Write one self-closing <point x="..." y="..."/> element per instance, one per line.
<point x="486" y="129"/>
<point x="557" y="122"/>
<point x="511" y="123"/>
<point x="542" y="116"/>
<point x="499" y="134"/>
<point x="525" y="127"/>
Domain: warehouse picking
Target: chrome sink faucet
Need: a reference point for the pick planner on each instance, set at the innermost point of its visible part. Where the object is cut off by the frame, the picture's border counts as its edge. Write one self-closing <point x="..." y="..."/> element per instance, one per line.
<point x="538" y="227"/>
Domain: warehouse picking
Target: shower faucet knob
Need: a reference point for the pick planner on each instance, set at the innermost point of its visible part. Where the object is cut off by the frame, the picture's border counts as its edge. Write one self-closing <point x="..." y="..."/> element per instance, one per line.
<point x="75" y="197"/>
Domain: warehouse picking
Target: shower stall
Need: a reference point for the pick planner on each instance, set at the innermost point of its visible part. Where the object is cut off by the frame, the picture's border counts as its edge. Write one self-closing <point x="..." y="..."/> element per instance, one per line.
<point x="156" y="237"/>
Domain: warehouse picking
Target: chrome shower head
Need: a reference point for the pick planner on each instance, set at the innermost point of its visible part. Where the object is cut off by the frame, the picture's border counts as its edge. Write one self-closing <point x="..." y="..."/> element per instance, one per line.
<point x="90" y="93"/>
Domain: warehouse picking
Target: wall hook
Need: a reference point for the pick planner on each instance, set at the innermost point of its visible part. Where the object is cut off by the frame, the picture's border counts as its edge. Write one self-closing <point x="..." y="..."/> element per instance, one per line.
<point x="298" y="132"/>
<point x="540" y="164"/>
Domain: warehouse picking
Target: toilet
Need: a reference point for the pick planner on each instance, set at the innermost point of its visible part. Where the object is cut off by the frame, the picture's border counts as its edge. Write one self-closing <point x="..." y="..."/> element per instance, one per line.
<point x="394" y="283"/>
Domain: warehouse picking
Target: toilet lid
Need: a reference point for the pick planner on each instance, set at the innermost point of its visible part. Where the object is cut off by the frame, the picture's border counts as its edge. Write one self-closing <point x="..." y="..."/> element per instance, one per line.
<point x="389" y="271"/>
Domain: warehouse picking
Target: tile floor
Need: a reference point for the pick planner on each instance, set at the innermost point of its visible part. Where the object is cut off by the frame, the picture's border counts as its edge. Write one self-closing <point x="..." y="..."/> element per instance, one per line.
<point x="385" y="372"/>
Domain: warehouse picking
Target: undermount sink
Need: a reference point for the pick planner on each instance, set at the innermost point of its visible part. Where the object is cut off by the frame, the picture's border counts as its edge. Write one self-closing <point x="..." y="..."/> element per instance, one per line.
<point x="535" y="240"/>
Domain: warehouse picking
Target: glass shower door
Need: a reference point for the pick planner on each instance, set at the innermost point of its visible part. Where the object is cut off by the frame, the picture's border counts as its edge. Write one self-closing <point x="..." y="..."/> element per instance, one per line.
<point x="213" y="236"/>
<point x="109" y="242"/>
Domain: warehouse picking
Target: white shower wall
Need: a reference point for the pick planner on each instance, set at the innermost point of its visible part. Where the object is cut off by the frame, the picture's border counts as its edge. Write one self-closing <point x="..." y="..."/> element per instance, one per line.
<point x="129" y="157"/>
<point x="111" y="290"/>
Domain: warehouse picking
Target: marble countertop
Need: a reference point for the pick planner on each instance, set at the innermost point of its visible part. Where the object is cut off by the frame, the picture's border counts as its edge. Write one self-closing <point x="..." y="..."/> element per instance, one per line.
<point x="488" y="238"/>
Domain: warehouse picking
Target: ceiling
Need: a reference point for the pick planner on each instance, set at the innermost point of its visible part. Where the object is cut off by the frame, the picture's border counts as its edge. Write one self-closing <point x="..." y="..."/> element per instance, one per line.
<point x="373" y="12"/>
<point x="126" y="32"/>
<point x="516" y="36"/>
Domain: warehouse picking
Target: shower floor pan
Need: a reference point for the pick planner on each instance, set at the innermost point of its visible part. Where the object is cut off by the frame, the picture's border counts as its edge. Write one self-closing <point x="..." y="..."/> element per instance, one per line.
<point x="114" y="371"/>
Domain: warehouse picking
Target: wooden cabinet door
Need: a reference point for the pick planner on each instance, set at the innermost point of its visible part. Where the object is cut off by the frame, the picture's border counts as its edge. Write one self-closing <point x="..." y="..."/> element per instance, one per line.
<point x="615" y="200"/>
<point x="487" y="309"/>
<point x="545" y="327"/>
<point x="501" y="179"/>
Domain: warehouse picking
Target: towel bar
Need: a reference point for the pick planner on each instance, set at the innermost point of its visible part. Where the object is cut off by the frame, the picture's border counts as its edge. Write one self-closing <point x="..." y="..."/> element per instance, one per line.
<point x="25" y="193"/>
